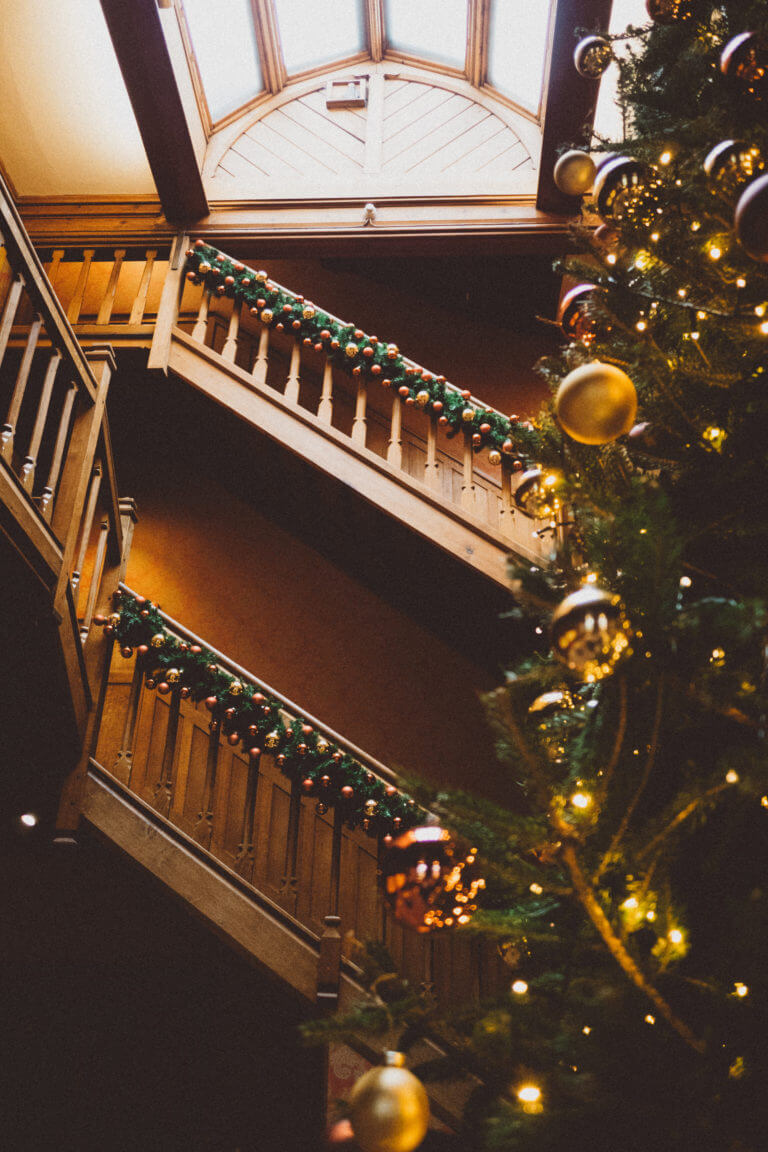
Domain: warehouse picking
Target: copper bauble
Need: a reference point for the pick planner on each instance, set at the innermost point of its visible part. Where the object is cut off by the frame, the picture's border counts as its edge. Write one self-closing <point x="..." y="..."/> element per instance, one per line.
<point x="389" y="1108"/>
<point x="574" y="173"/>
<point x="745" y="61"/>
<point x="731" y="164"/>
<point x="590" y="632"/>
<point x="596" y="403"/>
<point x="751" y="219"/>
<point x="428" y="882"/>
<point x="592" y="56"/>
<point x="573" y="313"/>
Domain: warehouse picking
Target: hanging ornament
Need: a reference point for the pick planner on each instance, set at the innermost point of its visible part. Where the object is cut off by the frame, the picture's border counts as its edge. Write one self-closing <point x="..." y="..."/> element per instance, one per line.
<point x="596" y="403"/>
<point x="625" y="189"/>
<point x="173" y="675"/>
<point x="266" y="315"/>
<point x="668" y="11"/>
<point x="590" y="632"/>
<point x="549" y="703"/>
<point x="574" y="173"/>
<point x="745" y="61"/>
<point x="592" y="56"/>
<point x="573" y="313"/>
<point x="751" y="219"/>
<point x="731" y="164"/>
<point x="535" y="494"/>
<point x="427" y="883"/>
<point x="158" y="640"/>
<point x="351" y="350"/>
<point x="272" y="739"/>
<point x="389" y="1108"/>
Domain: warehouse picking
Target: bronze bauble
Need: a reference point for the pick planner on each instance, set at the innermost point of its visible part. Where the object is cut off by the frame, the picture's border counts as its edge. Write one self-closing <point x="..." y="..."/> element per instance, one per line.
<point x="428" y="882"/>
<point x="592" y="56"/>
<point x="534" y="495"/>
<point x="751" y="219"/>
<point x="574" y="173"/>
<point x="596" y="403"/>
<point x="389" y="1108"/>
<point x="590" y="632"/>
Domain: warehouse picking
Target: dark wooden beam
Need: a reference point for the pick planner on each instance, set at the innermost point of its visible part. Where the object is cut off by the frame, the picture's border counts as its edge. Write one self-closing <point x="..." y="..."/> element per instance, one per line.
<point x="571" y="98"/>
<point x="142" y="53"/>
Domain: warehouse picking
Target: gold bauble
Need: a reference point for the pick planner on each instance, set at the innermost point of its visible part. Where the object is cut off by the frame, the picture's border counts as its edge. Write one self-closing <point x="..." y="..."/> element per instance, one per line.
<point x="236" y="688"/>
<point x="261" y="277"/>
<point x="272" y="739"/>
<point x="574" y="173"/>
<point x="392" y="351"/>
<point x="389" y="1108"/>
<point x="172" y="676"/>
<point x="536" y="494"/>
<point x="266" y="315"/>
<point x="590" y="632"/>
<point x="371" y="807"/>
<point x="596" y="403"/>
<point x="308" y="311"/>
<point x="468" y="415"/>
<point x="549" y="703"/>
<point x="422" y="398"/>
<point x="158" y="640"/>
<point x="322" y="745"/>
<point x="113" y="619"/>
<point x="494" y="457"/>
<point x="351" y="350"/>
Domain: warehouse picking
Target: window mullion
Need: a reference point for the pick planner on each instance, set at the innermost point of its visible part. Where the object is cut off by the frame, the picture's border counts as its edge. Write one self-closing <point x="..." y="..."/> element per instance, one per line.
<point x="478" y="24"/>
<point x="373" y="22"/>
<point x="268" y="44"/>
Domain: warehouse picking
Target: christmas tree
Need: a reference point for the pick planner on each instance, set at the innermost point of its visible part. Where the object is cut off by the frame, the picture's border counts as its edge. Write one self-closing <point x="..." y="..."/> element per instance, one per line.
<point x="626" y="880"/>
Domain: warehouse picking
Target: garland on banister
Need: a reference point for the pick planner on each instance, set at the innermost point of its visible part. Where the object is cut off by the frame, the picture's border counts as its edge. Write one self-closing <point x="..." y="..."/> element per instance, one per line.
<point x="253" y="719"/>
<point x="358" y="354"/>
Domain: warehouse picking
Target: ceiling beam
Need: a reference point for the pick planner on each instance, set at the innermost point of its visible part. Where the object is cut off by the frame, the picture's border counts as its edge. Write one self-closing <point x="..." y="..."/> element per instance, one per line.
<point x="142" y="53"/>
<point x="571" y="98"/>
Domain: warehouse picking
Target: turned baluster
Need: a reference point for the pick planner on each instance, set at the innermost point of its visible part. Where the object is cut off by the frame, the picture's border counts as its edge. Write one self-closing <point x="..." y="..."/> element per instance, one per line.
<point x="229" y="351"/>
<point x="359" y="426"/>
<point x="76" y="303"/>
<point x="30" y="460"/>
<point x="108" y="303"/>
<point x="200" y="330"/>
<point x="124" y="759"/>
<point x="48" y="494"/>
<point x="139" y="304"/>
<point x="9" y="313"/>
<point x="87" y="524"/>
<point x="507" y="510"/>
<point x="293" y="382"/>
<point x="431" y="465"/>
<point x="395" y="446"/>
<point x="205" y="815"/>
<point x="289" y="880"/>
<point x="8" y="430"/>
<point x="467" y="480"/>
<point x="260" y="364"/>
<point x="329" y="960"/>
<point x="98" y="571"/>
<point x="164" y="786"/>
<point x="325" y="407"/>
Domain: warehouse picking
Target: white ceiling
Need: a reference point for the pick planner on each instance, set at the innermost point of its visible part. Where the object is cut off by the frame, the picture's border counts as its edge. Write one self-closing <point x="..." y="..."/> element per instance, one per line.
<point x="66" y="124"/>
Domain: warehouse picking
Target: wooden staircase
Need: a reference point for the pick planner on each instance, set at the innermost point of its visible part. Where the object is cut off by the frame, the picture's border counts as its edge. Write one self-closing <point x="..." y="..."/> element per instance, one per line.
<point x="394" y="456"/>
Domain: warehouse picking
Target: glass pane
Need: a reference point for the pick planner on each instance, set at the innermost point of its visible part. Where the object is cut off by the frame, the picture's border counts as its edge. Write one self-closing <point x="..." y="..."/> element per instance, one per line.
<point x="517" y="47"/>
<point x="224" y="40"/>
<point x="314" y="32"/>
<point x="432" y="29"/>
<point x="608" y="119"/>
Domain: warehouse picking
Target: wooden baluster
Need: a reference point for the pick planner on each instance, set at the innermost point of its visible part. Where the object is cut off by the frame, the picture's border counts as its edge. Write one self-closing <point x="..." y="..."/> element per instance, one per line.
<point x="76" y="303"/>
<point x="244" y="861"/>
<point x="507" y="513"/>
<point x="139" y="304"/>
<point x="293" y="383"/>
<point x="85" y="531"/>
<point x="30" y="460"/>
<point x="8" y="431"/>
<point x="467" y="481"/>
<point x="52" y="270"/>
<point x="229" y="351"/>
<point x="9" y="313"/>
<point x="289" y="880"/>
<point x="325" y="407"/>
<point x="108" y="303"/>
<point x="359" y="426"/>
<point x="431" y="465"/>
<point x="163" y="796"/>
<point x="205" y="816"/>
<point x="200" y="330"/>
<point x="123" y="765"/>
<point x="98" y="571"/>
<point x="381" y="902"/>
<point x="329" y="966"/>
<point x="260" y="364"/>
<point x="395" y="446"/>
<point x="47" y="497"/>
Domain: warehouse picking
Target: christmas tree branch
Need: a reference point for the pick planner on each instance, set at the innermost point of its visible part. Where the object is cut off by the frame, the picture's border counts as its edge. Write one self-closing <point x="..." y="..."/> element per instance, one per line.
<point x="618" y="742"/>
<point x="681" y="816"/>
<point x="620" y="954"/>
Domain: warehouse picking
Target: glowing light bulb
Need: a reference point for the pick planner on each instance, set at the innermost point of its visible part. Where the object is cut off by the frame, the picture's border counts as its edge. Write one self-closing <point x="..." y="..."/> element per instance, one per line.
<point x="675" y="936"/>
<point x="764" y="801"/>
<point x="529" y="1094"/>
<point x="715" y="253"/>
<point x="610" y="258"/>
<point x="665" y="158"/>
<point x="520" y="987"/>
<point x="740" y="989"/>
<point x="741" y="282"/>
<point x="731" y="777"/>
<point x="655" y="237"/>
<point x="650" y="915"/>
<point x="650" y="1019"/>
<point x="28" y="819"/>
<point x="630" y="903"/>
<point x="581" y="800"/>
<point x="591" y="577"/>
<point x="694" y="335"/>
<point x="682" y="293"/>
<point x="536" y="889"/>
<point x="695" y="225"/>
<point x="685" y="581"/>
<point x="764" y="328"/>
<point x="641" y="325"/>
<point x="760" y="310"/>
<point x="586" y="1030"/>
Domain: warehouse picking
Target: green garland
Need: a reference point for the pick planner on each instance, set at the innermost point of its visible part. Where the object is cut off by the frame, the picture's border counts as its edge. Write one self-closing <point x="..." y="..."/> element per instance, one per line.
<point x="252" y="717"/>
<point x="350" y="349"/>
